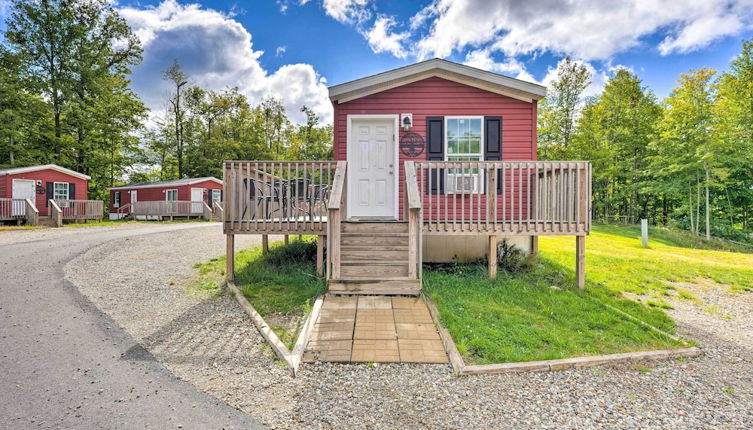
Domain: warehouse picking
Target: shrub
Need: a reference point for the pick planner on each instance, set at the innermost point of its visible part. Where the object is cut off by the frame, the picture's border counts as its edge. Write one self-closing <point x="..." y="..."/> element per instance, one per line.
<point x="512" y="258"/>
<point x="297" y="251"/>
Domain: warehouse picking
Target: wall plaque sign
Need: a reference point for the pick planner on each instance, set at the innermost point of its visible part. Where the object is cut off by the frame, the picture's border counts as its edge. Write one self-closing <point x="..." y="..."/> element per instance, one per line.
<point x="412" y="144"/>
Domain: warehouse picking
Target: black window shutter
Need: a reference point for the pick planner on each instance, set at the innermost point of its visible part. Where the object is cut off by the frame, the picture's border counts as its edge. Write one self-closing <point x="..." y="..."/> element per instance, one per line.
<point x="71" y="191"/>
<point x="222" y="192"/>
<point x="50" y="191"/>
<point x="493" y="142"/>
<point x="435" y="152"/>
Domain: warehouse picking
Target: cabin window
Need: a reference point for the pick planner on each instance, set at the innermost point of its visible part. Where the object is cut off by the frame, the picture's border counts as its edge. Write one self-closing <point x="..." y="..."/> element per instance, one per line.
<point x="463" y="137"/>
<point x="60" y="191"/>
<point x="116" y="199"/>
<point x="171" y="195"/>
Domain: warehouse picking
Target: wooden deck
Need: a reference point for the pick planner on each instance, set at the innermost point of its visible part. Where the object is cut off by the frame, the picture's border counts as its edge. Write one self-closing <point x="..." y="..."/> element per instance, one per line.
<point x="375" y="329"/>
<point x="478" y="198"/>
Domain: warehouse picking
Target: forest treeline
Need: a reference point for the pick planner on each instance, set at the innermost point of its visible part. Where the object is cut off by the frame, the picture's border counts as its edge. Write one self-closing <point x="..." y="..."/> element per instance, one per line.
<point x="65" y="98"/>
<point x="686" y="160"/>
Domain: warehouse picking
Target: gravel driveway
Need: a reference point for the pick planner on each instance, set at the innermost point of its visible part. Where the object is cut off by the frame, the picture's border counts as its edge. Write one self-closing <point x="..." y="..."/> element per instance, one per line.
<point x="212" y="344"/>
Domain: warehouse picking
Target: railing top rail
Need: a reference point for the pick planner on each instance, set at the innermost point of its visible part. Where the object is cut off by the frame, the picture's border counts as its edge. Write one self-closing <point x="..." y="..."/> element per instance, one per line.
<point x="497" y="163"/>
<point x="76" y="200"/>
<point x="414" y="201"/>
<point x="337" y="186"/>
<point x="333" y="162"/>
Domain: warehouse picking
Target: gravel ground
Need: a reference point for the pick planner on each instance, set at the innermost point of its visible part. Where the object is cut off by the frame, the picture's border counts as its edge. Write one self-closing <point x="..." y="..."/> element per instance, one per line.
<point x="212" y="344"/>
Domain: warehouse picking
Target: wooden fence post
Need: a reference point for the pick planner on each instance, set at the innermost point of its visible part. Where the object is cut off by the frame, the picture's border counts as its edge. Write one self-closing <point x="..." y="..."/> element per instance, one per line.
<point x="230" y="258"/>
<point x="534" y="245"/>
<point x="264" y="243"/>
<point x="320" y="255"/>
<point x="580" y="261"/>
<point x="492" y="256"/>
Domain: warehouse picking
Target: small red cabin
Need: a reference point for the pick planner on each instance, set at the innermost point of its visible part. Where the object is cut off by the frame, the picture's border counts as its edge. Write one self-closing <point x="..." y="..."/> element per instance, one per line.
<point x="42" y="183"/>
<point x="435" y="110"/>
<point x="196" y="190"/>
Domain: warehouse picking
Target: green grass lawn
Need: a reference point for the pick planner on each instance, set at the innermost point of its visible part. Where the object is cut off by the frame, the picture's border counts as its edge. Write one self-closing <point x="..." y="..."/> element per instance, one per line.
<point x="539" y="314"/>
<point x="282" y="284"/>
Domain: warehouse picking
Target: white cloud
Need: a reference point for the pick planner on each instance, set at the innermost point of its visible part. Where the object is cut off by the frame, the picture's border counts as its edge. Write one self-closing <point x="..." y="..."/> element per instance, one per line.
<point x="280" y="50"/>
<point x="346" y="11"/>
<point x="381" y="39"/>
<point x="599" y="78"/>
<point x="588" y="29"/>
<point x="216" y="52"/>
<point x="482" y="59"/>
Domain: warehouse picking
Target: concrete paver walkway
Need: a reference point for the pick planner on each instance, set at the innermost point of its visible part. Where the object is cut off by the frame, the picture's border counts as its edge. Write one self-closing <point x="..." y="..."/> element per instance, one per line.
<point x="375" y="329"/>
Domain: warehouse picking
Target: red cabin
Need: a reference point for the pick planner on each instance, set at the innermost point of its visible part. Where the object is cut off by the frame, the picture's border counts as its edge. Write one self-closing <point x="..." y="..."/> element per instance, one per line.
<point x="176" y="198"/>
<point x="43" y="183"/>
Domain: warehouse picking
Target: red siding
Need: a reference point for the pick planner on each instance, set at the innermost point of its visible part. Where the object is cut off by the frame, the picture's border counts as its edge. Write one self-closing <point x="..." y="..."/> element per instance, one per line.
<point x="158" y="193"/>
<point x="440" y="97"/>
<point x="45" y="175"/>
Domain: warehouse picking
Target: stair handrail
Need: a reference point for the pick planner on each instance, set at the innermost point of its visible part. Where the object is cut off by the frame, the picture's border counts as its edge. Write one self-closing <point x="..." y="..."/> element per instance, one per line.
<point x="32" y="213"/>
<point x="123" y="208"/>
<point x="334" y="216"/>
<point x="56" y="214"/>
<point x="413" y="206"/>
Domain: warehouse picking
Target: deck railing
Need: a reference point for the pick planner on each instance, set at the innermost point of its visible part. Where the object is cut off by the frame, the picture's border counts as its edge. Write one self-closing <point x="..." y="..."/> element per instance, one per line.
<point x="167" y="208"/>
<point x="18" y="209"/>
<point x="518" y="197"/>
<point x="218" y="211"/>
<point x="80" y="209"/>
<point x="12" y="208"/>
<point x="277" y="196"/>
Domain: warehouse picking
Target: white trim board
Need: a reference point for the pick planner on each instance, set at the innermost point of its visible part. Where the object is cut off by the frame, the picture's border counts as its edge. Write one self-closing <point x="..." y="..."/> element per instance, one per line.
<point x="55" y="167"/>
<point x="163" y="185"/>
<point x="348" y="154"/>
<point x="493" y="82"/>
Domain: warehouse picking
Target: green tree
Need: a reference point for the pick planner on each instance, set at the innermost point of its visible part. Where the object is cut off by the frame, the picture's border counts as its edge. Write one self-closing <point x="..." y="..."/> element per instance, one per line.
<point x="559" y="111"/>
<point x="615" y="132"/>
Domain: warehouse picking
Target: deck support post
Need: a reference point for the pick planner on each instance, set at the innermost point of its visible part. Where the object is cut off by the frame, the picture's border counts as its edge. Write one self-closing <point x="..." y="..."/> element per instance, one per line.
<point x="580" y="261"/>
<point x="320" y="255"/>
<point x="534" y="245"/>
<point x="264" y="243"/>
<point x="492" y="256"/>
<point x="287" y="239"/>
<point x="230" y="258"/>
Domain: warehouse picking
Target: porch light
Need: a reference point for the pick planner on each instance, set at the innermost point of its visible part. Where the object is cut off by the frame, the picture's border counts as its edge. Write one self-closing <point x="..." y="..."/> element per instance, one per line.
<point x="407" y="120"/>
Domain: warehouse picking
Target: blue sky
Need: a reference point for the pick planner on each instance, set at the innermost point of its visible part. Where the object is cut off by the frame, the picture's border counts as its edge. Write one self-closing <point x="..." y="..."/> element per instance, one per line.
<point x="294" y="49"/>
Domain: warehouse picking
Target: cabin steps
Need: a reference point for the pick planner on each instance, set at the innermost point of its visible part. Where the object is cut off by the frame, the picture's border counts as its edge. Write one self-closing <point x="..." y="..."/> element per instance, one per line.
<point x="374" y="260"/>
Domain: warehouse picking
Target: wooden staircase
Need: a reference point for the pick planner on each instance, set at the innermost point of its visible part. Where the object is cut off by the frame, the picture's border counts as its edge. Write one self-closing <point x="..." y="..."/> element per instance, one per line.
<point x="374" y="260"/>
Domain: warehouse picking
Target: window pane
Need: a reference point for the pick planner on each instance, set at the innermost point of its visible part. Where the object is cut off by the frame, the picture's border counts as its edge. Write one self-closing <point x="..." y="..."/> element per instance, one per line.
<point x="475" y="127"/>
<point x="452" y="128"/>
<point x="475" y="145"/>
<point x="452" y="146"/>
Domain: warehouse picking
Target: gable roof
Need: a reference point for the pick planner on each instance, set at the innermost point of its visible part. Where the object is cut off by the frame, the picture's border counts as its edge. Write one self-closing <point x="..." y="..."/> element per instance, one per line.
<point x="437" y="67"/>
<point x="17" y="170"/>
<point x="171" y="183"/>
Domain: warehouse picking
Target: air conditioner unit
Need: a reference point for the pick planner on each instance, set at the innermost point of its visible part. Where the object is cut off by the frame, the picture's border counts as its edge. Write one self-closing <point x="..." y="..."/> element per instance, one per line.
<point x="459" y="183"/>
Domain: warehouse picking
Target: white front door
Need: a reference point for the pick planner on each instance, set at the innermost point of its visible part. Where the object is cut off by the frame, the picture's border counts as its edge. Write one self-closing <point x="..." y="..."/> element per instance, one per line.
<point x="134" y="197"/>
<point x="372" y="168"/>
<point x="197" y="195"/>
<point x="23" y="189"/>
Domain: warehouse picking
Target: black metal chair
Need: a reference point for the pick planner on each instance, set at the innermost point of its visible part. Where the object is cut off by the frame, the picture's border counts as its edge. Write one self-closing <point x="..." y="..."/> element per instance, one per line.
<point x="255" y="194"/>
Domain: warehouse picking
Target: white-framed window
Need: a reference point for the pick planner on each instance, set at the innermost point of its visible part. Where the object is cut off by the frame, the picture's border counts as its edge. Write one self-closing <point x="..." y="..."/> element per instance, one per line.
<point x="464" y="137"/>
<point x="171" y="195"/>
<point x="60" y="191"/>
<point x="116" y="199"/>
<point x="216" y="196"/>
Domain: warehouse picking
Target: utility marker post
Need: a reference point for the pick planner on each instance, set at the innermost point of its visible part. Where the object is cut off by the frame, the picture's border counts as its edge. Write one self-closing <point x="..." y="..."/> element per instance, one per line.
<point x="644" y="232"/>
